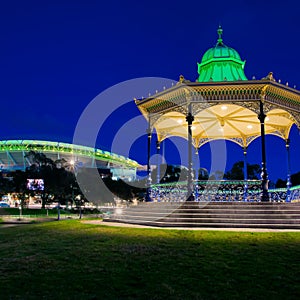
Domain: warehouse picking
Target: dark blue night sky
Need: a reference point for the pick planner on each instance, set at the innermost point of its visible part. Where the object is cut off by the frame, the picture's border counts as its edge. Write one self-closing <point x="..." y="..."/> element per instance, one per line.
<point x="56" y="56"/>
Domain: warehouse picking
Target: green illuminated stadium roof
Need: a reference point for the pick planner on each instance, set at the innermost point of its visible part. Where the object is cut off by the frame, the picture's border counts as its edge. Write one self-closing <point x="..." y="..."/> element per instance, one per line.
<point x="68" y="149"/>
<point x="221" y="63"/>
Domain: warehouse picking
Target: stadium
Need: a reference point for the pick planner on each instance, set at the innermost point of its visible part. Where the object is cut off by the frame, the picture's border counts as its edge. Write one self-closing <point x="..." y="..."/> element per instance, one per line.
<point x="13" y="157"/>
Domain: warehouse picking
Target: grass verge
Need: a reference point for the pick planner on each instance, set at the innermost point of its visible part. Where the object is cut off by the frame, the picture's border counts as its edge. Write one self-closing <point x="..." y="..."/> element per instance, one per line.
<point x="71" y="260"/>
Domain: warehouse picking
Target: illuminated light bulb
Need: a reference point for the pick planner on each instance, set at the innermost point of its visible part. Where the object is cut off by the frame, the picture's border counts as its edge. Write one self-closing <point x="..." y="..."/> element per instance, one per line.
<point x="249" y="126"/>
<point x="193" y="127"/>
<point x="224" y="107"/>
<point x="179" y="121"/>
<point x="267" y="118"/>
<point x="221" y="129"/>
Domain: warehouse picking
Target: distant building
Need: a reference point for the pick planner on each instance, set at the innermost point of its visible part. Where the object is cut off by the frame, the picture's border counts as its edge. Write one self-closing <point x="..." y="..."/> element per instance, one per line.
<point x="13" y="157"/>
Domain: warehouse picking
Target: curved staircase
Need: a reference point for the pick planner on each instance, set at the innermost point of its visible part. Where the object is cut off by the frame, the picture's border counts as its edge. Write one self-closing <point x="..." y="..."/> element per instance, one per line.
<point x="273" y="215"/>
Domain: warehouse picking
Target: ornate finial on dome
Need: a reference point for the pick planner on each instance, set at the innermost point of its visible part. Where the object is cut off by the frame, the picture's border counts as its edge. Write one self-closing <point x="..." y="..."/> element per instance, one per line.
<point x="183" y="80"/>
<point x="221" y="61"/>
<point x="270" y="77"/>
<point x="220" y="32"/>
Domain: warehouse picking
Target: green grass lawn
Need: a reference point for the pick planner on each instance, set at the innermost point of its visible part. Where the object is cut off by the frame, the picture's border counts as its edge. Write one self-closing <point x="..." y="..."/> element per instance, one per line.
<point x="71" y="260"/>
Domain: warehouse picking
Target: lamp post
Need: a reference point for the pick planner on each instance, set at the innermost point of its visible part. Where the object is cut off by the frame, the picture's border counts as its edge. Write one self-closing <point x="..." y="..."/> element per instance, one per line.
<point x="20" y="210"/>
<point x="72" y="197"/>
<point x="72" y="165"/>
<point x="80" y="210"/>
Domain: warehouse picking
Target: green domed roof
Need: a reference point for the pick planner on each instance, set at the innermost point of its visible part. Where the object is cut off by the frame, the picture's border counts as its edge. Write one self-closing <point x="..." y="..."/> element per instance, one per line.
<point x="221" y="63"/>
<point x="220" y="51"/>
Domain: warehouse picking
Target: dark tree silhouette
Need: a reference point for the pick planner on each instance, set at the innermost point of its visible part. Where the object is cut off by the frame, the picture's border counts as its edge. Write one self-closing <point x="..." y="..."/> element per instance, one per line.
<point x="295" y="180"/>
<point x="58" y="180"/>
<point x="237" y="171"/>
<point x="169" y="173"/>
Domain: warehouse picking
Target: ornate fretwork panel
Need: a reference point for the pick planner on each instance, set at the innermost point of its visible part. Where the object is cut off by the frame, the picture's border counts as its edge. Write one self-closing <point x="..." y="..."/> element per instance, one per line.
<point x="238" y="140"/>
<point x="200" y="106"/>
<point x="168" y="115"/>
<point x="222" y="92"/>
<point x="162" y="135"/>
<point x="295" y="117"/>
<point x="154" y="118"/>
<point x="283" y="97"/>
<point x="202" y="141"/>
<point x="195" y="142"/>
<point x="251" y="105"/>
<point x="163" y="102"/>
<point x="250" y="139"/>
<point x="281" y="132"/>
<point x="268" y="107"/>
<point x="181" y="109"/>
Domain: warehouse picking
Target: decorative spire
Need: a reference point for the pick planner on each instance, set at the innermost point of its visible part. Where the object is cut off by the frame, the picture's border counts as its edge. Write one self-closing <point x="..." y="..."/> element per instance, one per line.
<point x="221" y="63"/>
<point x="220" y="32"/>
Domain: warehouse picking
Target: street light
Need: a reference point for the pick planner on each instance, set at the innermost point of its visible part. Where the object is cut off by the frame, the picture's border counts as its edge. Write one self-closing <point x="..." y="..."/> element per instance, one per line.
<point x="72" y="188"/>
<point x="80" y="211"/>
<point x="20" y="210"/>
<point x="58" y="211"/>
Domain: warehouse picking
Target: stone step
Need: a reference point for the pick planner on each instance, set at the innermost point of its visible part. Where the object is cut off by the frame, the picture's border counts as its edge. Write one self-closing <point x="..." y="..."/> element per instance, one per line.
<point x="211" y="225"/>
<point x="223" y="205"/>
<point x="212" y="220"/>
<point x="216" y="215"/>
<point x="225" y="220"/>
<point x="213" y="211"/>
<point x="241" y="206"/>
<point x="193" y="214"/>
<point x="216" y="203"/>
<point x="239" y="212"/>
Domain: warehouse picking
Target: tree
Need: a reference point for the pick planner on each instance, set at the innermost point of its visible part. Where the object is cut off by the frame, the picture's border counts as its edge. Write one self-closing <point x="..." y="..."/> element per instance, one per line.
<point x="295" y="180"/>
<point x="39" y="160"/>
<point x="19" y="180"/>
<point x="280" y="183"/>
<point x="169" y="173"/>
<point x="237" y="171"/>
<point x="6" y="184"/>
<point x="203" y="174"/>
<point x="58" y="180"/>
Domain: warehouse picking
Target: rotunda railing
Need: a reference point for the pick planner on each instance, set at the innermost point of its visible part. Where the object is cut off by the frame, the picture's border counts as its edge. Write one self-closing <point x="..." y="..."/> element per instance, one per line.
<point x="221" y="190"/>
